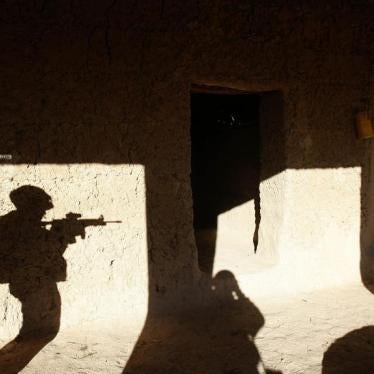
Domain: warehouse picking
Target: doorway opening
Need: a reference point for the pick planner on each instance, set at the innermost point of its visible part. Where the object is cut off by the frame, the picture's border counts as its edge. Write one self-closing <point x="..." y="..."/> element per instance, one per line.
<point x="225" y="170"/>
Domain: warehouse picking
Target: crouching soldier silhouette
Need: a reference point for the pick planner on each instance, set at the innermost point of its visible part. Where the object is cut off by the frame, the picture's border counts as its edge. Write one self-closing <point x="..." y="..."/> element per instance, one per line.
<point x="32" y="262"/>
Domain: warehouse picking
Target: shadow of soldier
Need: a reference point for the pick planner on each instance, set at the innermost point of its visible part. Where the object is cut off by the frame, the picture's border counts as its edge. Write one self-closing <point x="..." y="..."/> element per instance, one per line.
<point x="218" y="338"/>
<point x="31" y="261"/>
<point x="352" y="353"/>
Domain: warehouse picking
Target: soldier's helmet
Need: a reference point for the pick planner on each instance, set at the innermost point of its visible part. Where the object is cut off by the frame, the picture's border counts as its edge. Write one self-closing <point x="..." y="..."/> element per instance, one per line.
<point x="31" y="197"/>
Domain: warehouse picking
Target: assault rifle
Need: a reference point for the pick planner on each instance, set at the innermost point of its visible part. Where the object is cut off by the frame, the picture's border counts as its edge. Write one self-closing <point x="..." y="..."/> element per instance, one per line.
<point x="74" y="225"/>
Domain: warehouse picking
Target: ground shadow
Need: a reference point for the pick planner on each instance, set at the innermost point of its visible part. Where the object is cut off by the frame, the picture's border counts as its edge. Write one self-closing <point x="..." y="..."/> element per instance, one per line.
<point x="32" y="262"/>
<point x="216" y="339"/>
<point x="352" y="353"/>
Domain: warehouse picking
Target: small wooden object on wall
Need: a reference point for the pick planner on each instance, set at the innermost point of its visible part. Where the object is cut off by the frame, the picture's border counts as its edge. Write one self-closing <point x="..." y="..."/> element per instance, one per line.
<point x="364" y="127"/>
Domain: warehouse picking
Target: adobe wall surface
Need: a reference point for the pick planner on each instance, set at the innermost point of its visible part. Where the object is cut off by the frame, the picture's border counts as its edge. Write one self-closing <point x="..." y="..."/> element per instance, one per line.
<point x="95" y="111"/>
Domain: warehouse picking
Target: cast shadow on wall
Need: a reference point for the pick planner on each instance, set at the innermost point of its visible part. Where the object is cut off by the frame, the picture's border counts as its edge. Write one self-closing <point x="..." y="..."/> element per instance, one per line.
<point x="233" y="342"/>
<point x="32" y="262"/>
<point x="216" y="339"/>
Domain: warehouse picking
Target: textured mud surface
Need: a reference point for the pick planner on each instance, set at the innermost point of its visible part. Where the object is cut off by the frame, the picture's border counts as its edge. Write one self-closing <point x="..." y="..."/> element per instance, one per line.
<point x="294" y="340"/>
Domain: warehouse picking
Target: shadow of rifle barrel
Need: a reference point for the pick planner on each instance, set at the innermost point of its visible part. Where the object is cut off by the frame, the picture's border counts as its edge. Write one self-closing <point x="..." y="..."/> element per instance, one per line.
<point x="73" y="222"/>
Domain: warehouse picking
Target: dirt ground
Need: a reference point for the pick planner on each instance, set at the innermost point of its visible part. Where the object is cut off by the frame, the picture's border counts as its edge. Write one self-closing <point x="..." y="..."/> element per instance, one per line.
<point x="329" y="332"/>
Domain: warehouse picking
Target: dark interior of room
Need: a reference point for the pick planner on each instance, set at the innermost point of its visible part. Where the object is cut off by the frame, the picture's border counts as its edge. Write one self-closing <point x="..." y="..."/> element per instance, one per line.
<point x="225" y="163"/>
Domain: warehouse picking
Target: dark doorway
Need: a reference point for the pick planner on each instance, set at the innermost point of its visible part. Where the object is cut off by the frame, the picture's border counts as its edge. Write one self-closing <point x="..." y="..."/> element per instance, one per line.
<point x="225" y="136"/>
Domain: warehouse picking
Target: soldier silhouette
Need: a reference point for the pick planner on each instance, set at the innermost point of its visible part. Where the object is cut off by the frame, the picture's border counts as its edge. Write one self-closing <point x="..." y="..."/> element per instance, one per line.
<point x="219" y="337"/>
<point x="31" y="261"/>
<point x="238" y="322"/>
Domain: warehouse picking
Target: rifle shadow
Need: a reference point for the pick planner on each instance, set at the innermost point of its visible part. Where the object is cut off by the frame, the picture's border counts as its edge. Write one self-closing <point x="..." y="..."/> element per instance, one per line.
<point x="32" y="263"/>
